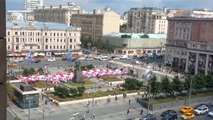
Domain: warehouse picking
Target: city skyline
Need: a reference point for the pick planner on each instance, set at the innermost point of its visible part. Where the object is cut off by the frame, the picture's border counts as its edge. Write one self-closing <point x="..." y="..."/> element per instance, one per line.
<point x="120" y="6"/>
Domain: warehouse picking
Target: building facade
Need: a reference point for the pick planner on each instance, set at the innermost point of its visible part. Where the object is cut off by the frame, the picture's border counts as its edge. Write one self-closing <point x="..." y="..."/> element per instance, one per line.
<point x="189" y="45"/>
<point x="136" y="44"/>
<point x="147" y="20"/>
<point x="41" y="37"/>
<point x="32" y="4"/>
<point x="97" y="24"/>
<point x="60" y="14"/>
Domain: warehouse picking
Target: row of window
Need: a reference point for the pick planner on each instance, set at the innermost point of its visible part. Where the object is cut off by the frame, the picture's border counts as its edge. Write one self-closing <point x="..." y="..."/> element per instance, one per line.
<point x="50" y="47"/>
<point x="38" y="40"/>
<point x="46" y="33"/>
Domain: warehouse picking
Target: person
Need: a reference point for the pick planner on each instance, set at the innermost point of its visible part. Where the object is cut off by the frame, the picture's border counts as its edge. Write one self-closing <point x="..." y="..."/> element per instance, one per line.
<point x="141" y="111"/>
<point x="93" y="115"/>
<point x="127" y="111"/>
<point x="129" y="101"/>
<point x="116" y="98"/>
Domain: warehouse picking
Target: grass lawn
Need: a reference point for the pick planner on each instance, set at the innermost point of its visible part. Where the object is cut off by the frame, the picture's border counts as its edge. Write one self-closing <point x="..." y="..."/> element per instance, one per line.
<point x="111" y="78"/>
<point x="85" y="83"/>
<point x="90" y="95"/>
<point x="170" y="99"/>
<point x="43" y="85"/>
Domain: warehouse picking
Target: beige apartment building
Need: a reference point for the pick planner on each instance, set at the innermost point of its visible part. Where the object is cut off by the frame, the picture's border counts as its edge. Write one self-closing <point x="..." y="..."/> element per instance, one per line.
<point x="48" y="38"/>
<point x="95" y="25"/>
<point x="149" y="20"/>
<point x="189" y="45"/>
<point x="61" y="14"/>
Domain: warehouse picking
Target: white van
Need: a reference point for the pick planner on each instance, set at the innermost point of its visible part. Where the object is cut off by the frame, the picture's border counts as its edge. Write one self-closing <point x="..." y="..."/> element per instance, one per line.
<point x="51" y="59"/>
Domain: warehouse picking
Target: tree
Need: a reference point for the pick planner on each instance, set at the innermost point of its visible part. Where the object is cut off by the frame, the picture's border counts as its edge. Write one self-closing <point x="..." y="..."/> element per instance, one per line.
<point x="123" y="28"/>
<point x="10" y="91"/>
<point x="40" y="71"/>
<point x="208" y="81"/>
<point x="27" y="72"/>
<point x="132" y="84"/>
<point x="166" y="86"/>
<point x="177" y="85"/>
<point x="155" y="85"/>
<point x="187" y="82"/>
<point x="198" y="82"/>
<point x="81" y="90"/>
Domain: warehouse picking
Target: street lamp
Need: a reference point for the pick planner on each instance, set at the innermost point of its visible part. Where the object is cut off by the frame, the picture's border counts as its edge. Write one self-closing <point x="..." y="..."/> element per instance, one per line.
<point x="148" y="75"/>
<point x="93" y="100"/>
<point x="29" y="105"/>
<point x="190" y="90"/>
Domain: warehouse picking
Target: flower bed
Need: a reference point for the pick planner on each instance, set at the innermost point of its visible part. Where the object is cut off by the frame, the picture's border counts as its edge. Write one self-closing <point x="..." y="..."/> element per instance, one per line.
<point x="111" y="78"/>
<point x="84" y="83"/>
<point x="90" y="95"/>
<point x="43" y="85"/>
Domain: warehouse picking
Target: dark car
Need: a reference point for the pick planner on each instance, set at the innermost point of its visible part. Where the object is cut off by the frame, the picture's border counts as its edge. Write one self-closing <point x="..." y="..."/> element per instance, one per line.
<point x="169" y="115"/>
<point x="148" y="117"/>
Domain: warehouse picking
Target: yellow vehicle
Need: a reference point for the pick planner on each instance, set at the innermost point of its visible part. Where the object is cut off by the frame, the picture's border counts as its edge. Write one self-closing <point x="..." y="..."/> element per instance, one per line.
<point x="11" y="64"/>
<point x="188" y="116"/>
<point x="186" y="109"/>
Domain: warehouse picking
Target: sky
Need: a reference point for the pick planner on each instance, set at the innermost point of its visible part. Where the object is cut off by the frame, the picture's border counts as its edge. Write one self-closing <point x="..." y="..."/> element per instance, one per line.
<point x="120" y="6"/>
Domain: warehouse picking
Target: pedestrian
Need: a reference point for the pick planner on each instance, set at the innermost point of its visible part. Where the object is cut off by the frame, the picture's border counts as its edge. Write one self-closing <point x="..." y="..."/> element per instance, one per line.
<point x="129" y="101"/>
<point x="127" y="112"/>
<point x="93" y="115"/>
<point x="96" y="102"/>
<point x="141" y="111"/>
<point x="116" y="98"/>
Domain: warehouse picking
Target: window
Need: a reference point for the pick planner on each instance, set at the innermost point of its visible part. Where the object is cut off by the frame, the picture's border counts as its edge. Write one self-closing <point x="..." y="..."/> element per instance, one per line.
<point x="57" y="46"/>
<point x="17" y="40"/>
<point x="54" y="47"/>
<point x="64" y="47"/>
<point x="50" y="47"/>
<point x="61" y="47"/>
<point x="45" y="34"/>
<point x="8" y="47"/>
<point x="17" y="47"/>
<point x="8" y="33"/>
<point x="70" y="46"/>
<point x="16" y="33"/>
<point x="8" y="39"/>
<point x="46" y="47"/>
<point x="46" y="40"/>
<point x="71" y="40"/>
<point x="38" y="47"/>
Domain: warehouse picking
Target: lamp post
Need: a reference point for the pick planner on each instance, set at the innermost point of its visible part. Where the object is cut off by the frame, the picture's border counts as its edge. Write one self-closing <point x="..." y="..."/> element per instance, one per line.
<point x="29" y="105"/>
<point x="93" y="100"/>
<point x="190" y="91"/>
<point x="148" y="75"/>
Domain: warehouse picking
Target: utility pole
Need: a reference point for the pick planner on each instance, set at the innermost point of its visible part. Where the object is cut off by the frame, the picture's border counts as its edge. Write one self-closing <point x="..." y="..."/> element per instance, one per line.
<point x="3" y="93"/>
<point x="190" y="90"/>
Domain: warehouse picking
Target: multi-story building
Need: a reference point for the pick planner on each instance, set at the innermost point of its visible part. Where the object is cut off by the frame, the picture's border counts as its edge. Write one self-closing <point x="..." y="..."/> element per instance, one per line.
<point x="60" y="14"/>
<point x="194" y="13"/>
<point x="136" y="44"/>
<point x="41" y="37"/>
<point x="29" y="6"/>
<point x="97" y="24"/>
<point x="15" y="16"/>
<point x="147" y="20"/>
<point x="189" y="45"/>
<point x="32" y="4"/>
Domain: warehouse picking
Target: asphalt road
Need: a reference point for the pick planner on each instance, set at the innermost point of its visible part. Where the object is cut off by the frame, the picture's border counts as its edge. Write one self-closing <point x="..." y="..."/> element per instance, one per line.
<point x="197" y="117"/>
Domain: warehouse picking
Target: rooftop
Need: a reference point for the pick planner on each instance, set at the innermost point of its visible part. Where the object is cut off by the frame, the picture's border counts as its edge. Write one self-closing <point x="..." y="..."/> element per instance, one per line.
<point x="137" y="35"/>
<point x="38" y="25"/>
<point x="19" y="84"/>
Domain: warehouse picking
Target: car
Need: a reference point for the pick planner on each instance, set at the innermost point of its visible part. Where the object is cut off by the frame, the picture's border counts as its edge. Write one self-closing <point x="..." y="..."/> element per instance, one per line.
<point x="210" y="114"/>
<point x="89" y="58"/>
<point x="169" y="115"/>
<point x="148" y="117"/>
<point x="52" y="59"/>
<point x="186" y="109"/>
<point x="187" y="116"/>
<point x="11" y="64"/>
<point x="202" y="104"/>
<point x="201" y="110"/>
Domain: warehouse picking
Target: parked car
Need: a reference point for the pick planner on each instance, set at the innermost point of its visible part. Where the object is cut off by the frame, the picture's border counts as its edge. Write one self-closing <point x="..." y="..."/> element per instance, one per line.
<point x="186" y="109"/>
<point x="201" y="110"/>
<point x="52" y="59"/>
<point x="148" y="117"/>
<point x="210" y="114"/>
<point x="188" y="116"/>
<point x="36" y="60"/>
<point x="169" y="115"/>
<point x="11" y="64"/>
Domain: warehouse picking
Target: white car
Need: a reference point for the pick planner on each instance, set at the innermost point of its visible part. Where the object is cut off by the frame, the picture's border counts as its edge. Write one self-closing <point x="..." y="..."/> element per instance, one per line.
<point x="210" y="114"/>
<point x="201" y="110"/>
<point x="51" y="59"/>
